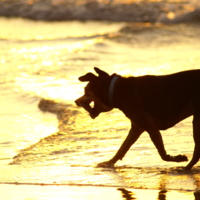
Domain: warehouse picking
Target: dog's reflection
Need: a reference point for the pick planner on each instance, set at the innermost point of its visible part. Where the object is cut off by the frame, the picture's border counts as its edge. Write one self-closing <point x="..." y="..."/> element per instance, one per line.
<point x="197" y="195"/>
<point x="162" y="195"/>
<point x="126" y="194"/>
<point x="129" y="195"/>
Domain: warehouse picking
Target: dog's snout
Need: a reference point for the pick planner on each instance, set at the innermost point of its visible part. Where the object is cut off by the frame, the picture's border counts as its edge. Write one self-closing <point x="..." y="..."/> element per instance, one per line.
<point x="77" y="103"/>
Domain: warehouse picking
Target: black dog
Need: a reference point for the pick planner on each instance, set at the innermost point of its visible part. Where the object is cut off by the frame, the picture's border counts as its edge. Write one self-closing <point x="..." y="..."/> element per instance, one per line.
<point x="152" y="103"/>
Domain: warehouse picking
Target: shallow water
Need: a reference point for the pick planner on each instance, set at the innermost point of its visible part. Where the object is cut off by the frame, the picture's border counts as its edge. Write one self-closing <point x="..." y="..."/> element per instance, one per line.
<point x="57" y="143"/>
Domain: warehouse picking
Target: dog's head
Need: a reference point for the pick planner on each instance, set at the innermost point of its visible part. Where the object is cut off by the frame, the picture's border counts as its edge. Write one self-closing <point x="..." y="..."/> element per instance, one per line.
<point x="96" y="91"/>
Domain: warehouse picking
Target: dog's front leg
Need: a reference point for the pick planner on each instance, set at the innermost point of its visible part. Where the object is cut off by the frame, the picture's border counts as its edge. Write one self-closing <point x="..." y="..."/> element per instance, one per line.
<point x="158" y="142"/>
<point x="132" y="137"/>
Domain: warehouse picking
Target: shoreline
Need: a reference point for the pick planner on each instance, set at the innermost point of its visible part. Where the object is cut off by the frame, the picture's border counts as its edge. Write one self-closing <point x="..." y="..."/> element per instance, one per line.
<point x="140" y="11"/>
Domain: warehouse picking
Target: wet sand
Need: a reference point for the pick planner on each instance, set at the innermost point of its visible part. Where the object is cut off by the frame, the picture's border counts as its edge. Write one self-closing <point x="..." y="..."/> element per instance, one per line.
<point x="53" y="192"/>
<point x="89" y="182"/>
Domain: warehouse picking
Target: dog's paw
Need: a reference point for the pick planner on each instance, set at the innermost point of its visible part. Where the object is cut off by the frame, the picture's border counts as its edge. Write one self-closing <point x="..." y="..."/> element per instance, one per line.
<point x="106" y="164"/>
<point x="179" y="158"/>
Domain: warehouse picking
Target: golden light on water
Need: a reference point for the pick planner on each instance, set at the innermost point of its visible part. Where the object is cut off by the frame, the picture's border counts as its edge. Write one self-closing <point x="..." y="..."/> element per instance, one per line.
<point x="48" y="86"/>
<point x="69" y="47"/>
<point x="50" y="69"/>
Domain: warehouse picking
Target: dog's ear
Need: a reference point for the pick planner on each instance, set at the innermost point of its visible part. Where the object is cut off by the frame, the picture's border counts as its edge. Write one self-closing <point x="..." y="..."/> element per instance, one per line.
<point x="88" y="77"/>
<point x="100" y="72"/>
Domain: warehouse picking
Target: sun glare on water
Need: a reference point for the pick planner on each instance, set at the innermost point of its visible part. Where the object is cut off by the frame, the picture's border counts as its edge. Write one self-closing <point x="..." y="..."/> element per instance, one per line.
<point x="39" y="79"/>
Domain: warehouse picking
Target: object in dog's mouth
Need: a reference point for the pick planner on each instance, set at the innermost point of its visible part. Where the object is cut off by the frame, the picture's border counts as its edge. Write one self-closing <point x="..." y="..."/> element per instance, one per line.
<point x="87" y="104"/>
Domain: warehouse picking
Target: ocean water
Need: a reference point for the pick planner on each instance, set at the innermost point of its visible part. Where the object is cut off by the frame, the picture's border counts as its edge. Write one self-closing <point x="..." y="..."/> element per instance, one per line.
<point x="46" y="139"/>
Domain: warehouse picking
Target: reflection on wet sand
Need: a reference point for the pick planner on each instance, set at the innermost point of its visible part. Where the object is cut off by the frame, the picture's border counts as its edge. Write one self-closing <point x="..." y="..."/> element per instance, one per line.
<point x="165" y="186"/>
<point x="126" y="194"/>
<point x="162" y="195"/>
<point x="197" y="195"/>
<point x="129" y="195"/>
<point x="160" y="178"/>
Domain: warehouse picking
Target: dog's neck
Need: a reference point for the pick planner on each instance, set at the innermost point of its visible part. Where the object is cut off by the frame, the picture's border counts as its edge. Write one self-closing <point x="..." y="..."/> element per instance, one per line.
<point x="111" y="90"/>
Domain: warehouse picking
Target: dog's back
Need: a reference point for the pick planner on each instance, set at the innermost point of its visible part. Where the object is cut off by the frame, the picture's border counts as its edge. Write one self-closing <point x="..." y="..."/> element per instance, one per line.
<point x="168" y="98"/>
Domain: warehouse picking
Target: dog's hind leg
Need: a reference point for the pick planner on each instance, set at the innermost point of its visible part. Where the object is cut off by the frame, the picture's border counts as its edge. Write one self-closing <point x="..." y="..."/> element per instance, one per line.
<point x="196" y="135"/>
<point x="196" y="154"/>
<point x="132" y="137"/>
<point x="158" y="142"/>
